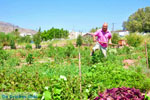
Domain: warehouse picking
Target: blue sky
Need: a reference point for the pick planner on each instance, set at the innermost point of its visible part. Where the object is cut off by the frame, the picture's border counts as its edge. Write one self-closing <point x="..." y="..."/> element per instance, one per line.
<point x="80" y="15"/>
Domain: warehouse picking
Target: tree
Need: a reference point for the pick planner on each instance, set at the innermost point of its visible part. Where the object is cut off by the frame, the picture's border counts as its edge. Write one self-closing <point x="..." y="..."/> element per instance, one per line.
<point x="138" y="21"/>
<point x="37" y="38"/>
<point x="93" y="30"/>
<point x="54" y="33"/>
<point x="146" y="22"/>
<point x="79" y="41"/>
<point x="16" y="32"/>
<point x="124" y="25"/>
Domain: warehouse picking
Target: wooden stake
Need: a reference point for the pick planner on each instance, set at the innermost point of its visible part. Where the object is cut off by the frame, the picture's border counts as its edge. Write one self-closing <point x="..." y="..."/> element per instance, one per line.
<point x="80" y="74"/>
<point x="146" y="55"/>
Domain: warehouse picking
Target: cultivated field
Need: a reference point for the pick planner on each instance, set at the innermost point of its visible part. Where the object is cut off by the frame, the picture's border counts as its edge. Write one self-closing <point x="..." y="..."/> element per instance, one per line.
<point x="53" y="70"/>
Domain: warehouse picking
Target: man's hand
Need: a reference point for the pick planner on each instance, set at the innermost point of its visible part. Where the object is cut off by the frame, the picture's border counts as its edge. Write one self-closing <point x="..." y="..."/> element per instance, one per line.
<point x="94" y="40"/>
<point x="110" y="43"/>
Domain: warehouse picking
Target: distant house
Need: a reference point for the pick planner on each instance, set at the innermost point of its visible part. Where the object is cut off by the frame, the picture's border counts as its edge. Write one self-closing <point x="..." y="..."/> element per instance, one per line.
<point x="122" y="33"/>
<point x="88" y="35"/>
<point x="87" y="39"/>
<point x="74" y="35"/>
<point x="26" y="34"/>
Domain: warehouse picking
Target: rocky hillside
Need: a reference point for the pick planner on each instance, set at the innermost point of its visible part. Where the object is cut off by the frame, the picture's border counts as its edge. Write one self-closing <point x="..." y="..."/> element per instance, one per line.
<point x="7" y="27"/>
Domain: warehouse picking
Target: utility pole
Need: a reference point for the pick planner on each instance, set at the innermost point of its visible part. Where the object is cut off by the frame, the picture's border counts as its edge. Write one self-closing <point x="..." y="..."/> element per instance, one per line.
<point x="113" y="26"/>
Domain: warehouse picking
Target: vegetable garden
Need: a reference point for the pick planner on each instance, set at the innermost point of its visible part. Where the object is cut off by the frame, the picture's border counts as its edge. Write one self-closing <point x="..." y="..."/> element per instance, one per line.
<point x="53" y="74"/>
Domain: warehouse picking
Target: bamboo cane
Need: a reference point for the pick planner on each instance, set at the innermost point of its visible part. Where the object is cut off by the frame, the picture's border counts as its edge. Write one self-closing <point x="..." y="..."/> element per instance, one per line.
<point x="146" y="55"/>
<point x="80" y="74"/>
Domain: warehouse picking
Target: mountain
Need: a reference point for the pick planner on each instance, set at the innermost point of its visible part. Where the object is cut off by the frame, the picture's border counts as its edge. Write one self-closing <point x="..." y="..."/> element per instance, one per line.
<point x="7" y="27"/>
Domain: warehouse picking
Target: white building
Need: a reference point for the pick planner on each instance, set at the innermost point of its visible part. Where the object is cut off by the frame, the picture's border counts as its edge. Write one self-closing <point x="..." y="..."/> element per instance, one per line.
<point x="123" y="33"/>
<point x="25" y="34"/>
<point x="74" y="35"/>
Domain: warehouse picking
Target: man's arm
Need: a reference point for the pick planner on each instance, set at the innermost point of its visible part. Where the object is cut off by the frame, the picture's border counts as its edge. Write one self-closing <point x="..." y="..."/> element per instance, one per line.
<point x="94" y="38"/>
<point x="109" y="41"/>
<point x="94" y="35"/>
<point x="109" y="37"/>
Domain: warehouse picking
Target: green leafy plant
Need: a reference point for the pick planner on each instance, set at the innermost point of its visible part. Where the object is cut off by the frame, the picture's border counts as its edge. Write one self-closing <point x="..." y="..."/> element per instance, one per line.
<point x="115" y="38"/>
<point x="51" y="51"/>
<point x="12" y="44"/>
<point x="37" y="39"/>
<point x="69" y="49"/>
<point x="98" y="57"/>
<point x="46" y="95"/>
<point x="14" y="61"/>
<point x="134" y="39"/>
<point x="79" y="41"/>
<point x="147" y="97"/>
<point x="5" y="39"/>
<point x="24" y="39"/>
<point x="1" y="46"/>
<point x="29" y="58"/>
<point x="28" y="46"/>
<point x="3" y="56"/>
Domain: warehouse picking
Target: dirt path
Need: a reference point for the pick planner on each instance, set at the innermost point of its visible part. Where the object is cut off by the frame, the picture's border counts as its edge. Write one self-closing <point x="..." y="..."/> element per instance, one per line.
<point x="128" y="62"/>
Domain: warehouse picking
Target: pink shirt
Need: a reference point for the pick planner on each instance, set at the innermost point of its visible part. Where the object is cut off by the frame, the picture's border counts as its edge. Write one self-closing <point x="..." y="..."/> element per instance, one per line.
<point x="103" y="37"/>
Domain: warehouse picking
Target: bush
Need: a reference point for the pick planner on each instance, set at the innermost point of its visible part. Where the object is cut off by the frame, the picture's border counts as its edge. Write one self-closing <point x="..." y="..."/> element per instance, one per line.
<point x="12" y="44"/>
<point x="37" y="39"/>
<point x="29" y="59"/>
<point x="115" y="38"/>
<point x="28" y="46"/>
<point x="79" y="40"/>
<point x="54" y="33"/>
<point x="69" y="49"/>
<point x="25" y="39"/>
<point x="134" y="39"/>
<point x="126" y="50"/>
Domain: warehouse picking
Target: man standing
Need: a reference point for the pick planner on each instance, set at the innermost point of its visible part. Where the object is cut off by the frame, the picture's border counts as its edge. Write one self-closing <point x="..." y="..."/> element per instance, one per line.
<point x="103" y="37"/>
